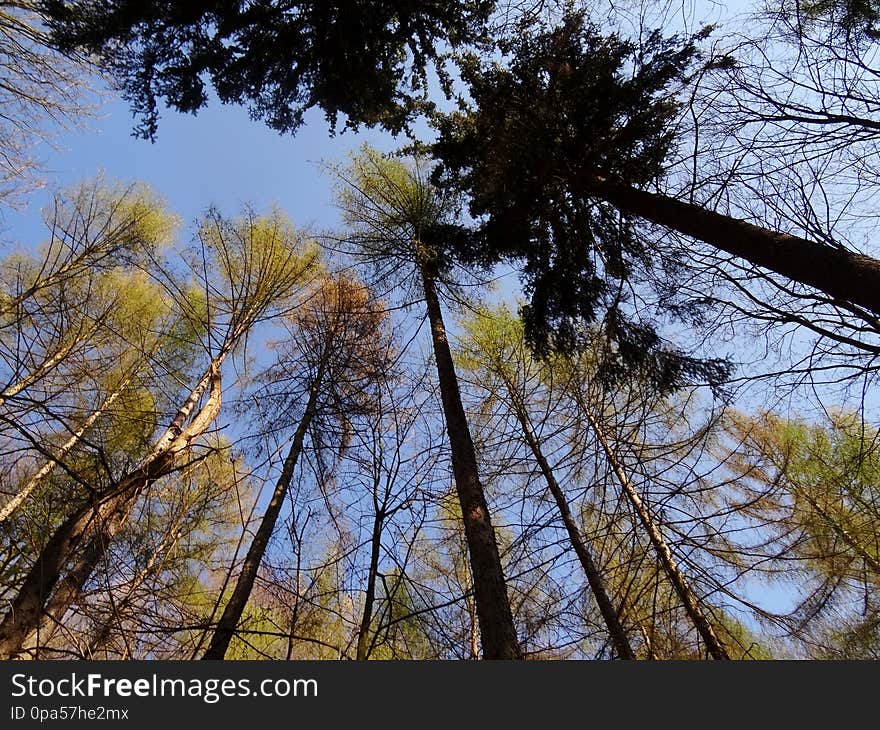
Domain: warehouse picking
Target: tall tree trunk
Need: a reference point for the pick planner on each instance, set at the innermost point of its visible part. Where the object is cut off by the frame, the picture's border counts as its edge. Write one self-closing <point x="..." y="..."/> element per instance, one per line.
<point x="690" y="602"/>
<point x="105" y="516"/>
<point x="234" y="609"/>
<point x="364" y="644"/>
<point x="845" y="276"/>
<point x="497" y="630"/>
<point x="594" y="577"/>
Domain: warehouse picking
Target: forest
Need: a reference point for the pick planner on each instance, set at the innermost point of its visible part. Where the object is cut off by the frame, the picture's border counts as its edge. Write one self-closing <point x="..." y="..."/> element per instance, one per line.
<point x="586" y="366"/>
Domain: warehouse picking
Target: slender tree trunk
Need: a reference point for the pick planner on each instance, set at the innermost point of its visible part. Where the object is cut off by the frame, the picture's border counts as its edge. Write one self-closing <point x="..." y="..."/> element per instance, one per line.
<point x="364" y="644"/>
<point x="13" y="504"/>
<point x="664" y="553"/>
<point x="870" y="561"/>
<point x="497" y="630"/>
<point x="44" y="368"/>
<point x="241" y="593"/>
<point x="472" y="613"/>
<point x="594" y="577"/>
<point x="843" y="275"/>
<point x="105" y="515"/>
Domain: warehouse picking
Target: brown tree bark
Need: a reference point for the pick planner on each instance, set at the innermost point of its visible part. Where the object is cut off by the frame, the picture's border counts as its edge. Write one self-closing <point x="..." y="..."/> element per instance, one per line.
<point x="664" y="553"/>
<point x="609" y="613"/>
<point x="845" y="276"/>
<point x="244" y="584"/>
<point x="497" y="630"/>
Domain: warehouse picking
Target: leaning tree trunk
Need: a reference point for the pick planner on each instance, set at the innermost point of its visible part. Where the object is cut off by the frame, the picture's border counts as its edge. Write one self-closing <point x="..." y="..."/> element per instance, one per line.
<point x="497" y="630"/>
<point x="664" y="553"/>
<point x="844" y="276"/>
<point x="102" y="518"/>
<point x="13" y="504"/>
<point x="594" y="577"/>
<point x="871" y="562"/>
<point x="234" y="609"/>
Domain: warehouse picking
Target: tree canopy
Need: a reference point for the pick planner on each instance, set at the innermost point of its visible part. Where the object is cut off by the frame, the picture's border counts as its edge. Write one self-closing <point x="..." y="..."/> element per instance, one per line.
<point x="367" y="60"/>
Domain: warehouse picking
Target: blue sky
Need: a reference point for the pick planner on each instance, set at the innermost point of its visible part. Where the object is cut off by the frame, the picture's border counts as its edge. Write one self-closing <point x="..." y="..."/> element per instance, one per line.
<point x="219" y="157"/>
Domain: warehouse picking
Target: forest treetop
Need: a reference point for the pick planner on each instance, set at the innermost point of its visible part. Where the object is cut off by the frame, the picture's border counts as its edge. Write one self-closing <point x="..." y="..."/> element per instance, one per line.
<point x="366" y="59"/>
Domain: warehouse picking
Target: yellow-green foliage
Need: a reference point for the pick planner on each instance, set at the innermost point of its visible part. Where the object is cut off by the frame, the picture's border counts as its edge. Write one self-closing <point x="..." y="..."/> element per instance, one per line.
<point x="105" y="216"/>
<point x="829" y="476"/>
<point x="263" y="260"/>
<point x="393" y="190"/>
<point x="129" y="429"/>
<point x="492" y="336"/>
